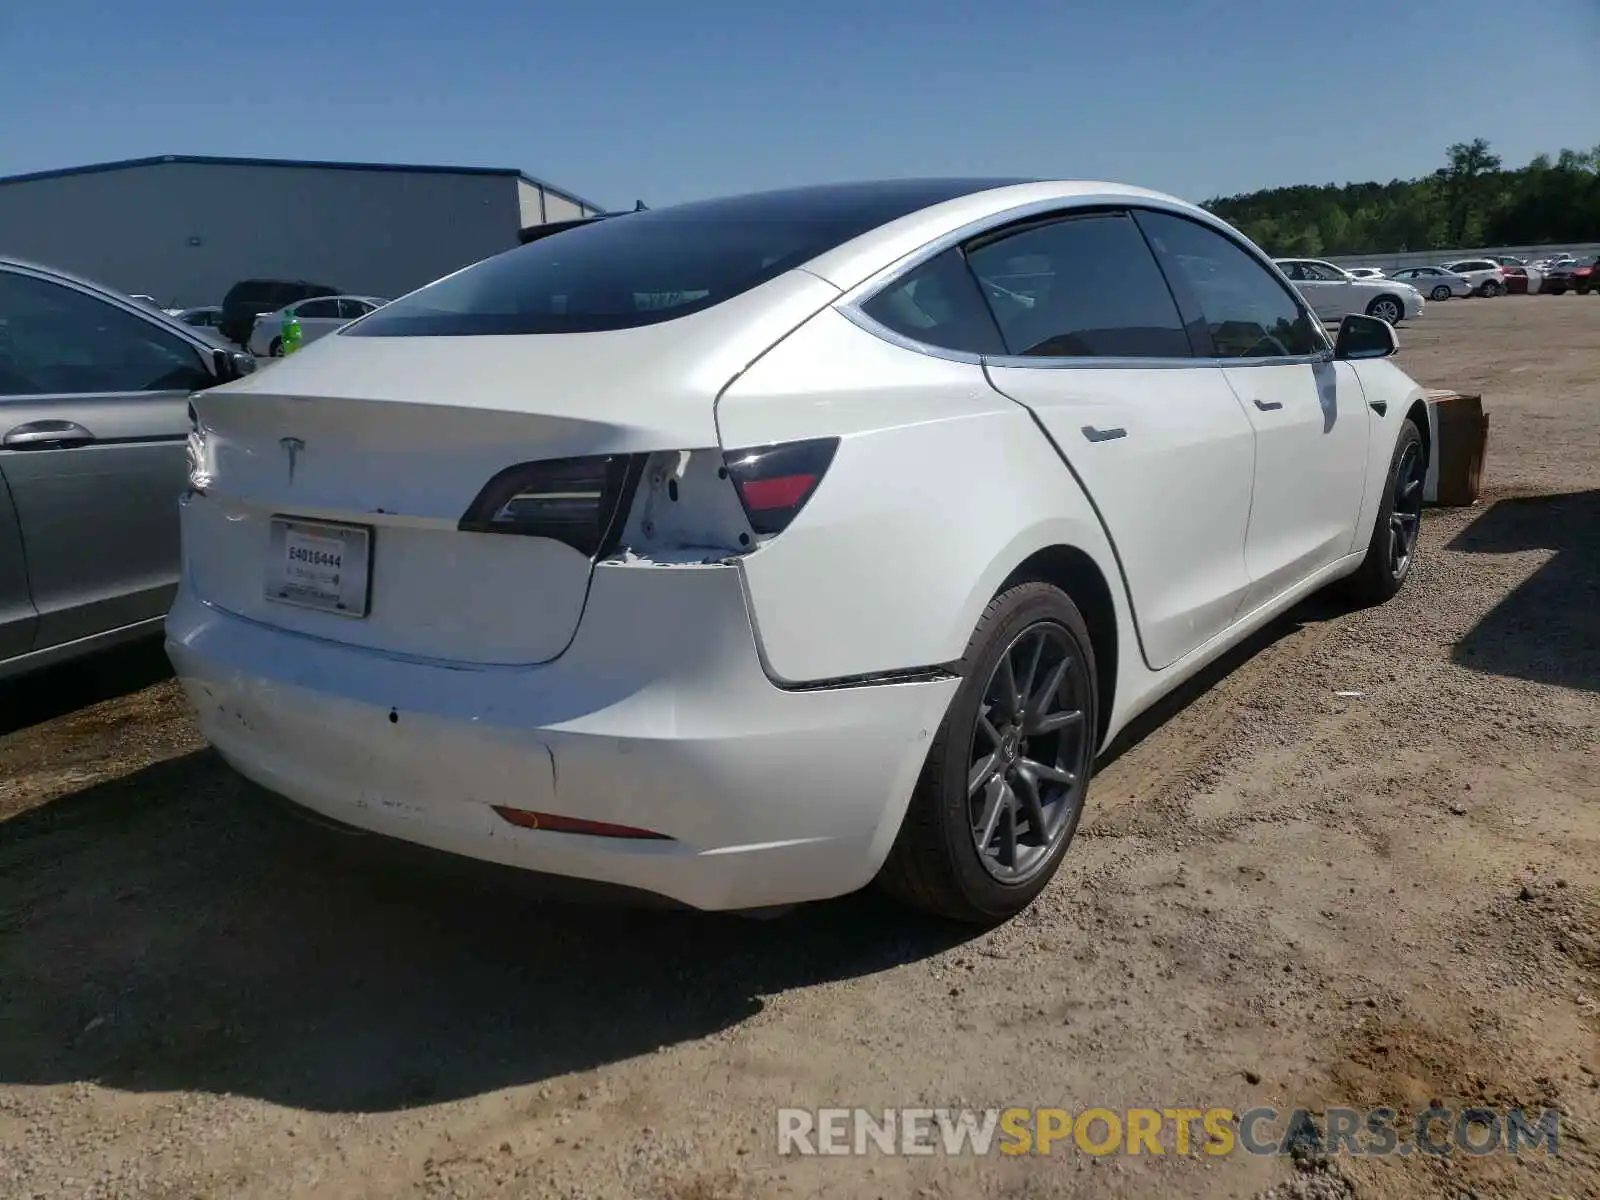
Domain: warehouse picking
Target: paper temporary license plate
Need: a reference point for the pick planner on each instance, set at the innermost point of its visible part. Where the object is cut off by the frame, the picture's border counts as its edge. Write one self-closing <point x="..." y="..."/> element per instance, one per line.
<point x="321" y="565"/>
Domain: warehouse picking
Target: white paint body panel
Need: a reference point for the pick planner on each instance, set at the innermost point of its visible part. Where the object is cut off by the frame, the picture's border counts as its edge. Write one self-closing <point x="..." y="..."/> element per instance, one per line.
<point x="940" y="488"/>
<point x="1310" y="466"/>
<point x="1173" y="490"/>
<point x="667" y="724"/>
<point x="697" y="696"/>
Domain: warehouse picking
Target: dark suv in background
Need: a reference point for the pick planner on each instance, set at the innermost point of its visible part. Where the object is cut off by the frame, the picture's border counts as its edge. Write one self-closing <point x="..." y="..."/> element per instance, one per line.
<point x="249" y="298"/>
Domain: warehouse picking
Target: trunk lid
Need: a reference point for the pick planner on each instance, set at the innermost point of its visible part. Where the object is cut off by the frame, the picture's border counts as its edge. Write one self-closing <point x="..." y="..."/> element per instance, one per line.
<point x="397" y="435"/>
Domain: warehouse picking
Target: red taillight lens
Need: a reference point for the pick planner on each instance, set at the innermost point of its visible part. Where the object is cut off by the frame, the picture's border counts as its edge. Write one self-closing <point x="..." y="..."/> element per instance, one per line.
<point x="774" y="482"/>
<point x="579" y="501"/>
<point x="552" y="823"/>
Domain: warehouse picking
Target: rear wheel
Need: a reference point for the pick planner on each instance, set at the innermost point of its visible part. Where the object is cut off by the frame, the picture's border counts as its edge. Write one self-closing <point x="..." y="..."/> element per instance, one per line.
<point x="1007" y="774"/>
<point x="1582" y="288"/>
<point x="276" y="349"/>
<point x="1442" y="292"/>
<point x="1492" y="288"/>
<point x="1387" y="308"/>
<point x="1393" y="547"/>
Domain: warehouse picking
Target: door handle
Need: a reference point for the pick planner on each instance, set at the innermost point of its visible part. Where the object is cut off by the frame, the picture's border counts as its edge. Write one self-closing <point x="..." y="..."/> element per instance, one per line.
<point x="1268" y="405"/>
<point x="46" y="435"/>
<point x="1103" y="435"/>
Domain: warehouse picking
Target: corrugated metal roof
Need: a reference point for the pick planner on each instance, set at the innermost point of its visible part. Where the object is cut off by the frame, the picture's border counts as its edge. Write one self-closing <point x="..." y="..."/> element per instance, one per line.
<point x="313" y="164"/>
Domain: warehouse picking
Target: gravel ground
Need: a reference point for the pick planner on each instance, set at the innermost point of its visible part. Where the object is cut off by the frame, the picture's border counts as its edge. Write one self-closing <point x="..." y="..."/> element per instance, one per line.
<point x="1358" y="862"/>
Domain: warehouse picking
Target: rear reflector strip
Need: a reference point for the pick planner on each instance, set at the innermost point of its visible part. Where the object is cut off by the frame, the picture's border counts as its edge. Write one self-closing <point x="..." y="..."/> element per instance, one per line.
<point x="551" y="823"/>
<point x="786" y="491"/>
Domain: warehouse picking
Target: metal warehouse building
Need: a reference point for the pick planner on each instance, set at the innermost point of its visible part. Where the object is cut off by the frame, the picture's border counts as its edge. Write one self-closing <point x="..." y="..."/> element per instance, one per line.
<point x="184" y="228"/>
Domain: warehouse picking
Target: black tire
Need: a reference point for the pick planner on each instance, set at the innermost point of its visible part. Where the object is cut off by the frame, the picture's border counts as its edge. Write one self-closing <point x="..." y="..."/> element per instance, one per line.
<point x="1384" y="571"/>
<point x="1491" y="288"/>
<point x="1387" y="308"/>
<point x="935" y="863"/>
<point x="1440" y="293"/>
<point x="1581" y="288"/>
<point x="276" y="349"/>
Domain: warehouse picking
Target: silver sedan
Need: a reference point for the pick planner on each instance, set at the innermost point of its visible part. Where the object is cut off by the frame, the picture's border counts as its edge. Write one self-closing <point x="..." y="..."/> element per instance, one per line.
<point x="94" y="390"/>
<point x="1435" y="282"/>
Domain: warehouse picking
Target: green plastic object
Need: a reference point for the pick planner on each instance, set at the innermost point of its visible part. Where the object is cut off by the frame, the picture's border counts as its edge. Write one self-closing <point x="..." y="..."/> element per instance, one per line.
<point x="291" y="335"/>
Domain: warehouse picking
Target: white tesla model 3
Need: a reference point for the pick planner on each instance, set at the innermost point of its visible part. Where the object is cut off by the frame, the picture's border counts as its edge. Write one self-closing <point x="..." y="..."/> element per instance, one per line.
<point x="751" y="550"/>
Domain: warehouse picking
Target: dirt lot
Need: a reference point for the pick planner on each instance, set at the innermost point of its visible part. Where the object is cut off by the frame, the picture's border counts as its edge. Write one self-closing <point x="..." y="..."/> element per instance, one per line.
<point x="1358" y="863"/>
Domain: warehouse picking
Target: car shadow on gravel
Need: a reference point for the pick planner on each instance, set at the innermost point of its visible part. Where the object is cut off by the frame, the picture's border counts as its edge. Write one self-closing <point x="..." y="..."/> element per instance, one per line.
<point x="1548" y="629"/>
<point x="174" y="930"/>
<point x="44" y="695"/>
<point x="1314" y="610"/>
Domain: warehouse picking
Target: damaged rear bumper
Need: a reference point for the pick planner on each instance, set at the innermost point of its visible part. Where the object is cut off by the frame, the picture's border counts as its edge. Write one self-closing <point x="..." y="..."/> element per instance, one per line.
<point x="658" y="717"/>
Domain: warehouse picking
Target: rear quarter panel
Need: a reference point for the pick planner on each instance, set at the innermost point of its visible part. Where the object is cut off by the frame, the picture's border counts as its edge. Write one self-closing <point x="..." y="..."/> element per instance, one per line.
<point x="941" y="487"/>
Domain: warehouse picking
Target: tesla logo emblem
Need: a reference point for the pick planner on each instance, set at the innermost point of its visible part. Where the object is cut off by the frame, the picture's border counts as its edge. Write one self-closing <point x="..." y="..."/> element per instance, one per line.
<point x="292" y="447"/>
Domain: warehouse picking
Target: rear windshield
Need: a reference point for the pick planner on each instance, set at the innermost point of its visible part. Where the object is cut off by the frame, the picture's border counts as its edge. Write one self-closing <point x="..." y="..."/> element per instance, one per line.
<point x="642" y="268"/>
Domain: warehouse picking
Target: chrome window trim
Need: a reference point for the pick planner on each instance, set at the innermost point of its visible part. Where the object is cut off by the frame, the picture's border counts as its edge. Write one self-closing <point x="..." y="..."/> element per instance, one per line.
<point x="860" y="319"/>
<point x="857" y="317"/>
<point x="850" y="304"/>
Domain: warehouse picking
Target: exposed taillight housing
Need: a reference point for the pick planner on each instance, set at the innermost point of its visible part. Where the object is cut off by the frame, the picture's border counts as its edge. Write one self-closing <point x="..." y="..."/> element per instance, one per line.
<point x="774" y="482"/>
<point x="581" y="502"/>
<point x="197" y="454"/>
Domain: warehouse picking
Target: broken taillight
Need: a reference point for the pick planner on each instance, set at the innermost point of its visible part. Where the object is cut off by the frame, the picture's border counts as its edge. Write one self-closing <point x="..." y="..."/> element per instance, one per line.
<point x="774" y="482"/>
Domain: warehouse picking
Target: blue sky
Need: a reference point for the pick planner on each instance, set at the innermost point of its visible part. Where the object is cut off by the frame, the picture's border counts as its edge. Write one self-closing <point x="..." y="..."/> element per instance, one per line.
<point x="669" y="101"/>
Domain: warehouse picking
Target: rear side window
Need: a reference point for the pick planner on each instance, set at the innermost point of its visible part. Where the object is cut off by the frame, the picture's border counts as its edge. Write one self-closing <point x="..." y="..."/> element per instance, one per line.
<point x="318" y="309"/>
<point x="642" y="268"/>
<point x="1083" y="286"/>
<point x="1249" y="312"/>
<point x="938" y="304"/>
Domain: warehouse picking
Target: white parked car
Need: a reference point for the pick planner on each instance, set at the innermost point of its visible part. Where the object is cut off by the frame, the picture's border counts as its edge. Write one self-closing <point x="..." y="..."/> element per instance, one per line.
<point x="1333" y="292"/>
<point x="1364" y="273"/>
<point x="318" y="317"/>
<point x="203" y="316"/>
<point x="1435" y="282"/>
<point x="753" y="549"/>
<point x="1485" y="276"/>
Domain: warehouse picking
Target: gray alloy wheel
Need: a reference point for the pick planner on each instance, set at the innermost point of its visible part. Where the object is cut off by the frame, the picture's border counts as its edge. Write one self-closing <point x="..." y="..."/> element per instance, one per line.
<point x="1386" y="308"/>
<point x="1026" y="781"/>
<point x="1007" y="774"/>
<point x="1491" y="288"/>
<point x="1392" y="547"/>
<point x="1405" y="512"/>
<point x="1442" y="292"/>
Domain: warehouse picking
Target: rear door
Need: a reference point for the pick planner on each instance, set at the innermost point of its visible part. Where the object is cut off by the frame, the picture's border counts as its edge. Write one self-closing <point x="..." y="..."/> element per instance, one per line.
<point x="93" y="417"/>
<point x="17" y="615"/>
<point x="1308" y="284"/>
<point x="1331" y="291"/>
<point x="318" y="317"/>
<point x="1097" y="350"/>
<point x="1309" y="412"/>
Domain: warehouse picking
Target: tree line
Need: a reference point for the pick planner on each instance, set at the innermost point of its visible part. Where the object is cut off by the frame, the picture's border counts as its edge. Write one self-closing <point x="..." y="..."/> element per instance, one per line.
<point x="1471" y="201"/>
